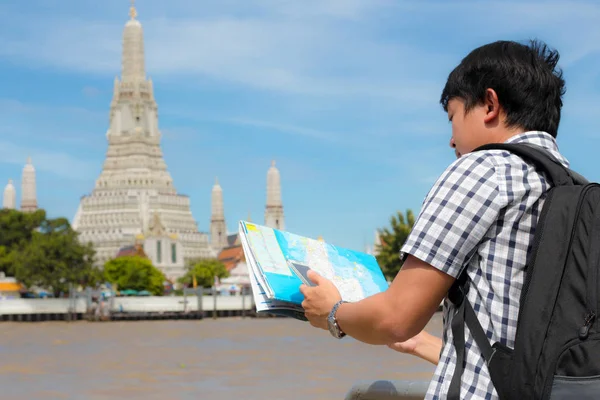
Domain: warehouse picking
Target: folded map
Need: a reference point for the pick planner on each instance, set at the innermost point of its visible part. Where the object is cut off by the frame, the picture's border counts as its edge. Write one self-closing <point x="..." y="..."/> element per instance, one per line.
<point x="278" y="262"/>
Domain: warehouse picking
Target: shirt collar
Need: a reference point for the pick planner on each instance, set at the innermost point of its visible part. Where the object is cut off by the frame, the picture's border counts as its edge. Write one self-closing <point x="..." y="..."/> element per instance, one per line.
<point x="542" y="139"/>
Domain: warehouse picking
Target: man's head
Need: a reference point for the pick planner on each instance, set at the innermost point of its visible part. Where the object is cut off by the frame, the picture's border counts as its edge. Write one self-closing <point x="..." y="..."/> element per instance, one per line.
<point x="502" y="89"/>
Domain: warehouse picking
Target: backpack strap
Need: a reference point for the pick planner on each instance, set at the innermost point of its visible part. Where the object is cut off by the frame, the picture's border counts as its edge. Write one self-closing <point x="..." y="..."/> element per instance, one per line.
<point x="543" y="161"/>
<point x="464" y="313"/>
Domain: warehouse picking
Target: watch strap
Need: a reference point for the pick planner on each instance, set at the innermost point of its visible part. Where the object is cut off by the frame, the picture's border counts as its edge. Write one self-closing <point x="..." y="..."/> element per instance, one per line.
<point x="333" y="319"/>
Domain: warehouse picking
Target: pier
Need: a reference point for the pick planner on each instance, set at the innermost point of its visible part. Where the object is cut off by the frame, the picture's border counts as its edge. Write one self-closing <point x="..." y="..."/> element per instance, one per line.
<point x="194" y="304"/>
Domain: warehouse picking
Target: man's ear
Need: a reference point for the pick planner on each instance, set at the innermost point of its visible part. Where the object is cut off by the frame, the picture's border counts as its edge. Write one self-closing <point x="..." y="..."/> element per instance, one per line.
<point x="492" y="106"/>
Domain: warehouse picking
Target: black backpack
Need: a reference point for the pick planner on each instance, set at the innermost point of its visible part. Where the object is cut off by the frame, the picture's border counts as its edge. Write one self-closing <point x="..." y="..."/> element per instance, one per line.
<point x="557" y="344"/>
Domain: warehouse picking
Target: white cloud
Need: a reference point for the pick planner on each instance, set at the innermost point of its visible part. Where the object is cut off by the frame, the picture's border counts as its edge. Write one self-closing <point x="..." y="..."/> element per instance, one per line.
<point x="571" y="26"/>
<point x="49" y="124"/>
<point x="58" y="163"/>
<point x="286" y="128"/>
<point x="13" y="106"/>
<point x="90" y="91"/>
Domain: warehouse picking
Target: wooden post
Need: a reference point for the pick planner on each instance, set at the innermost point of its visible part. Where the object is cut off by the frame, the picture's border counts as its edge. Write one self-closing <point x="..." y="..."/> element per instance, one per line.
<point x="214" y="293"/>
<point x="199" y="294"/>
<point x="243" y="302"/>
<point x="70" y="310"/>
<point x="185" y="299"/>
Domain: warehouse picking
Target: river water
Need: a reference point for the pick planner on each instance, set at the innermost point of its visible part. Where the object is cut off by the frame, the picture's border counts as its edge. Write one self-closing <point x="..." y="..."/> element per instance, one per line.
<point x="228" y="358"/>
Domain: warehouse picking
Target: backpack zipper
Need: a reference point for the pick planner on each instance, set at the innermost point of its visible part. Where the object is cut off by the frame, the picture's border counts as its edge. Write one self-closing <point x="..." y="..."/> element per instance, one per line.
<point x="587" y="324"/>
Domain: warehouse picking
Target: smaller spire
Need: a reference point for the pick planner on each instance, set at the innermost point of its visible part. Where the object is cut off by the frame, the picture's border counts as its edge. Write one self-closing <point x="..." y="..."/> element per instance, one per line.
<point x="216" y="187"/>
<point x="132" y="10"/>
<point x="249" y="217"/>
<point x="29" y="160"/>
<point x="272" y="163"/>
<point x="9" y="201"/>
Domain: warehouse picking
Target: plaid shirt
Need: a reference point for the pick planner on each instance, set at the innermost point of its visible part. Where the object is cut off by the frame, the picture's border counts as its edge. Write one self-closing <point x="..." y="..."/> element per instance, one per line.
<point x="481" y="215"/>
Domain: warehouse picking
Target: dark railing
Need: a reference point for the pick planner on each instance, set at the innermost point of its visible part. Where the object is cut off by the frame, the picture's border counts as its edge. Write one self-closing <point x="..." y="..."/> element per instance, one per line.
<point x="388" y="390"/>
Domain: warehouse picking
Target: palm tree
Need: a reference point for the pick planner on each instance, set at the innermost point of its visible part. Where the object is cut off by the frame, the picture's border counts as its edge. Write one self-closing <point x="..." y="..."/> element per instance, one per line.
<point x="391" y="241"/>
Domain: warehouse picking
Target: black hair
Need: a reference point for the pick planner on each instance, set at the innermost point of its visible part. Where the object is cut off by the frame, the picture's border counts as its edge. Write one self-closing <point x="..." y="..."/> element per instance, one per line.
<point x="525" y="77"/>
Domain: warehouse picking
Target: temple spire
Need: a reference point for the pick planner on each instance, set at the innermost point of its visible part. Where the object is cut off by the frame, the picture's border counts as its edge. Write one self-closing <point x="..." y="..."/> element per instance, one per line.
<point x="9" y="200"/>
<point x="218" y="228"/>
<point x="133" y="68"/>
<point x="28" y="188"/>
<point x="132" y="10"/>
<point x="274" y="217"/>
<point x="273" y="186"/>
<point x="217" y="201"/>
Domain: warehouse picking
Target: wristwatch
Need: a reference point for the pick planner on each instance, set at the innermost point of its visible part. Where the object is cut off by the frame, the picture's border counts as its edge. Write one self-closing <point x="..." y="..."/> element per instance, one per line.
<point x="332" y="324"/>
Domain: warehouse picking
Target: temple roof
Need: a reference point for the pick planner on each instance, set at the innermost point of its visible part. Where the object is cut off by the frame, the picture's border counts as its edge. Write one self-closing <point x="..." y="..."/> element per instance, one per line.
<point x="231" y="256"/>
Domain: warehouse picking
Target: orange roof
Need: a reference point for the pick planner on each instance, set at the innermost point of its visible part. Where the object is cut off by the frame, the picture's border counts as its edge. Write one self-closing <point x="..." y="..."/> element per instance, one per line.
<point x="10" y="287"/>
<point x="231" y="256"/>
<point x="134" y="250"/>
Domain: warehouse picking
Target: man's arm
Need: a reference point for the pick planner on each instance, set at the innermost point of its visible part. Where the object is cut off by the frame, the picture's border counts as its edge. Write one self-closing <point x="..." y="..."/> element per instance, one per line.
<point x="456" y="215"/>
<point x="400" y="312"/>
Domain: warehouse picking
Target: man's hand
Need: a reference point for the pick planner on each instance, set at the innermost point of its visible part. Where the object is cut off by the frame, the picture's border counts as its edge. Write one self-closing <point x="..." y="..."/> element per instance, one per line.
<point x="407" y="347"/>
<point x="319" y="299"/>
<point x="423" y="345"/>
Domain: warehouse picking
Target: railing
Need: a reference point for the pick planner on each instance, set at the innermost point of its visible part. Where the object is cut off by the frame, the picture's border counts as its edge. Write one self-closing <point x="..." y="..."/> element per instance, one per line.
<point x="388" y="390"/>
<point x="41" y="306"/>
<point x="191" y="302"/>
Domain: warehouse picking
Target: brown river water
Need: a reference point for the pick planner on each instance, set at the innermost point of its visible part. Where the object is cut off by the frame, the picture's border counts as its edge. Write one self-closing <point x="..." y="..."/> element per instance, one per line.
<point x="228" y="358"/>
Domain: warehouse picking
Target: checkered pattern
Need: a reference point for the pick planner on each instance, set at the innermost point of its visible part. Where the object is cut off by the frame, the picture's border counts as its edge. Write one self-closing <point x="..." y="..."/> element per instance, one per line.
<point x="481" y="215"/>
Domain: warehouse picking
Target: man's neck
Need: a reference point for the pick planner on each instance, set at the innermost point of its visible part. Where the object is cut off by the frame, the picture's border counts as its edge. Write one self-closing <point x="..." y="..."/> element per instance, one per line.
<point x="503" y="135"/>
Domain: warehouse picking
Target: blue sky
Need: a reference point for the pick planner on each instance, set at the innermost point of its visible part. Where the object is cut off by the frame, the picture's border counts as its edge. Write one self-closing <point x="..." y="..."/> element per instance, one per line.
<point x="342" y="93"/>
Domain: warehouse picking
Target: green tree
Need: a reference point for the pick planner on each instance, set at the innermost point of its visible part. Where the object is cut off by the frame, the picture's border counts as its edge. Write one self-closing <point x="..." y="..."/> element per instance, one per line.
<point x="17" y="231"/>
<point x="205" y="272"/>
<point x="7" y="260"/>
<point x="17" y="227"/>
<point x="136" y="273"/>
<point x="392" y="239"/>
<point x="53" y="258"/>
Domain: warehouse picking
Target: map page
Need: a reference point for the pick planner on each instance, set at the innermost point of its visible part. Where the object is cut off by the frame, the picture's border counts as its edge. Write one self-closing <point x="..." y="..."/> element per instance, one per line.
<point x="278" y="261"/>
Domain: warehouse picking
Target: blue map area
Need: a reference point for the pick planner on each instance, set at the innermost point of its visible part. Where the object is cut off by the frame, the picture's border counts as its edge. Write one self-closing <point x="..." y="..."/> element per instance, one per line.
<point x="347" y="268"/>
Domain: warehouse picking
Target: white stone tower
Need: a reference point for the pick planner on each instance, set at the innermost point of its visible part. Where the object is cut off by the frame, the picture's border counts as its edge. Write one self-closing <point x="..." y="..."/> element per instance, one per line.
<point x="274" y="217"/>
<point x="218" y="228"/>
<point x="377" y="244"/>
<point x="9" y="199"/>
<point x="134" y="184"/>
<point x="28" y="189"/>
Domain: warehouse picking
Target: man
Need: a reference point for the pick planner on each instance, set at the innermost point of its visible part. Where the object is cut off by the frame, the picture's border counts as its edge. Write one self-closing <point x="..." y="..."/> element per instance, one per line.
<point x="480" y="216"/>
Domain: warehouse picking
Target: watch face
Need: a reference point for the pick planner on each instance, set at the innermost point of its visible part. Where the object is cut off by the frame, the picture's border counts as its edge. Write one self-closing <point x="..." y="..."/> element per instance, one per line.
<point x="334" y="329"/>
<point x="332" y="326"/>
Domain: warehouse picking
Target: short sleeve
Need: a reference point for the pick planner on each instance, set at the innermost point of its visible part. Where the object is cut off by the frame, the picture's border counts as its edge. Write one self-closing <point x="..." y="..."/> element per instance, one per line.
<point x="456" y="214"/>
